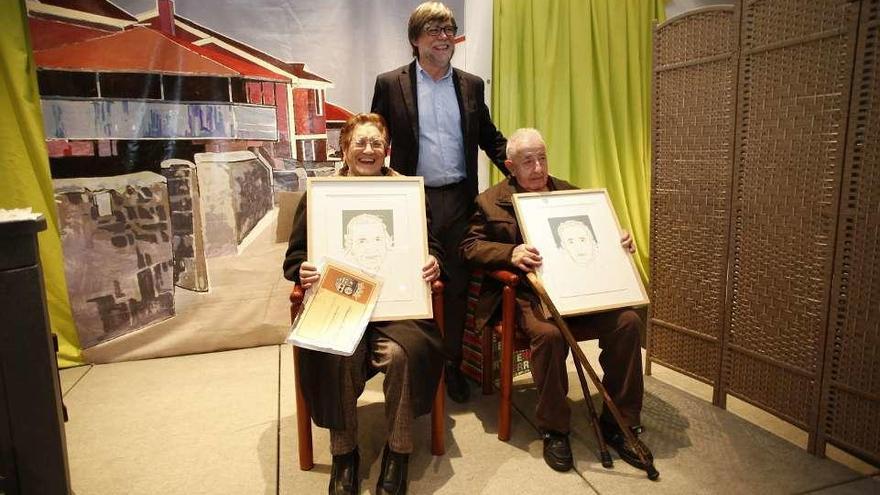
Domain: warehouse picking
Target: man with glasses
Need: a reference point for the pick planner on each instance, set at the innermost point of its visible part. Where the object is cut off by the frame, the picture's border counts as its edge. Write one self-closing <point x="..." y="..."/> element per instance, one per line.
<point x="437" y="117"/>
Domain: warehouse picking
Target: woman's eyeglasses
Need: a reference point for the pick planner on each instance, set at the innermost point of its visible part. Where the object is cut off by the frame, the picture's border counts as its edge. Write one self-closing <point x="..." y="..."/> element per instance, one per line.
<point x="376" y="144"/>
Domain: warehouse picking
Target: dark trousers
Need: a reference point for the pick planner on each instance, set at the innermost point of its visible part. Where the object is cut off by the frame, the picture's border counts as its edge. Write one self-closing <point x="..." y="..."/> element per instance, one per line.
<point x="618" y="332"/>
<point x="451" y="208"/>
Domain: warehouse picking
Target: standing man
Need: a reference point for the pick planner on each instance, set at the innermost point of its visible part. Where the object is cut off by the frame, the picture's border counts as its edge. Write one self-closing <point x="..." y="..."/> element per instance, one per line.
<point x="437" y="117"/>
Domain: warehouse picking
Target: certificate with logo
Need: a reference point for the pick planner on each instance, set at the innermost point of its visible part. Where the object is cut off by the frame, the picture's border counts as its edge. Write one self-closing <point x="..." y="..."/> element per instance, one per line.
<point x="337" y="312"/>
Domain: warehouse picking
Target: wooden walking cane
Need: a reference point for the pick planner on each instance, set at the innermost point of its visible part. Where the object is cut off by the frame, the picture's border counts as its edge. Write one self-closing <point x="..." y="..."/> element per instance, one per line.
<point x="581" y="359"/>
<point x="604" y="456"/>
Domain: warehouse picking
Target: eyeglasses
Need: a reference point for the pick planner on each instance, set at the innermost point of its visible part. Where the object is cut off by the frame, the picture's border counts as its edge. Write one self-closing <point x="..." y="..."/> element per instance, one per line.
<point x="434" y="31"/>
<point x="376" y="144"/>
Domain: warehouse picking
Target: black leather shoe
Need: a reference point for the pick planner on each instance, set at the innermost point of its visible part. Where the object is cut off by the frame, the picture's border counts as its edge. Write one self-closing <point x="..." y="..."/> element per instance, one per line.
<point x="392" y="478"/>
<point x="457" y="387"/>
<point x="344" y="473"/>
<point x="557" y="451"/>
<point x="615" y="438"/>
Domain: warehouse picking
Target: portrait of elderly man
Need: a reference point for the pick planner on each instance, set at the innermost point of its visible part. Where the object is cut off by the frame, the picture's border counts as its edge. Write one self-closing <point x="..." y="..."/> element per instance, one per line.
<point x="493" y="241"/>
<point x="367" y="240"/>
<point x="574" y="236"/>
<point x="408" y="352"/>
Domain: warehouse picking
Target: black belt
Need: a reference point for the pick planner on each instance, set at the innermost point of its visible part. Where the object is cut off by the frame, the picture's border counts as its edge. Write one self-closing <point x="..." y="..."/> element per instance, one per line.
<point x="446" y="187"/>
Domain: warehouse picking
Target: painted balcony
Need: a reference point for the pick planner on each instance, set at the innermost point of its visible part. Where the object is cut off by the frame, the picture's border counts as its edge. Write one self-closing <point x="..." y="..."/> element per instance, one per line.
<point x="141" y="119"/>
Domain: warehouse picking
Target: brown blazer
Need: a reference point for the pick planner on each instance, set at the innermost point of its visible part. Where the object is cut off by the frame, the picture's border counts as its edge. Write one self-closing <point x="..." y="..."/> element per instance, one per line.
<point x="395" y="99"/>
<point x="491" y="237"/>
<point x="320" y="373"/>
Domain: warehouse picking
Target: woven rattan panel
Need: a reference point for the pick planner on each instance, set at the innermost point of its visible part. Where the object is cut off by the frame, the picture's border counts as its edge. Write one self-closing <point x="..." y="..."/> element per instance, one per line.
<point x="794" y="79"/>
<point x="693" y="118"/>
<point x="851" y="394"/>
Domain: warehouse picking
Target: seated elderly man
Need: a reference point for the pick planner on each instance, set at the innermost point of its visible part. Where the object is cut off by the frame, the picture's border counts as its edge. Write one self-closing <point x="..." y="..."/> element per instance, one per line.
<point x="494" y="242"/>
<point x="409" y="352"/>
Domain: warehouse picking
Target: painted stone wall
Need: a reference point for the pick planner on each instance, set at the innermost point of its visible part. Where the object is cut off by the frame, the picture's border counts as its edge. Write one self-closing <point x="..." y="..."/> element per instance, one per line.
<point x="236" y="192"/>
<point x="116" y="236"/>
<point x="187" y="232"/>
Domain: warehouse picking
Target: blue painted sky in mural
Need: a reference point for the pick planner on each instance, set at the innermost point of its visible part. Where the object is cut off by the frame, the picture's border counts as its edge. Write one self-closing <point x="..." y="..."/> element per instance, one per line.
<point x="346" y="41"/>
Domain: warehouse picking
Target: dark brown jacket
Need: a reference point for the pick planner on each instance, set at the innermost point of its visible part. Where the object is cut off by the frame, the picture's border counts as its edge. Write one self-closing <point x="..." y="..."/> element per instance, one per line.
<point x="320" y="373"/>
<point x="491" y="237"/>
<point x="395" y="98"/>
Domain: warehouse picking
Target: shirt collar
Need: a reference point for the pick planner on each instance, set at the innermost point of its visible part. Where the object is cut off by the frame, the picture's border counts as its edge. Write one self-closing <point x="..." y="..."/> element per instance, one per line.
<point x="424" y="73"/>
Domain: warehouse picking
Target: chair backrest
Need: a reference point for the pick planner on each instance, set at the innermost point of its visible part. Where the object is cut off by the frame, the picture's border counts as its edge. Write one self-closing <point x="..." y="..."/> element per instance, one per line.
<point x="472" y="341"/>
<point x="287" y="203"/>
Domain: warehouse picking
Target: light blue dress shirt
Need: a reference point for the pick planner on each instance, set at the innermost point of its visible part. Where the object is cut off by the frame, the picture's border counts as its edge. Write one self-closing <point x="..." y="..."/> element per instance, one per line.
<point x="441" y="145"/>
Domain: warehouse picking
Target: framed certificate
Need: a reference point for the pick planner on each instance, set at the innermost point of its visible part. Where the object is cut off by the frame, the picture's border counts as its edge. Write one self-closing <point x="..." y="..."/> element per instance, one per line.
<point x="584" y="269"/>
<point x="378" y="225"/>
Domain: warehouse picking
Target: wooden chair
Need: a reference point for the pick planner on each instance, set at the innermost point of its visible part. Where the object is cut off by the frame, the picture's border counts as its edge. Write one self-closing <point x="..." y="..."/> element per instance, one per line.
<point x="303" y="415"/>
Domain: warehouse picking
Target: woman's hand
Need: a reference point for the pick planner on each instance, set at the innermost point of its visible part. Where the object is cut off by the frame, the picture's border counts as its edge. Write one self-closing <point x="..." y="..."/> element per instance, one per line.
<point x="308" y="274"/>
<point x="431" y="270"/>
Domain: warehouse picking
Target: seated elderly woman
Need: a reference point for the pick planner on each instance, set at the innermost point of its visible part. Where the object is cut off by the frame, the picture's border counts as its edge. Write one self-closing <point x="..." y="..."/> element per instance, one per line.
<point x="409" y="352"/>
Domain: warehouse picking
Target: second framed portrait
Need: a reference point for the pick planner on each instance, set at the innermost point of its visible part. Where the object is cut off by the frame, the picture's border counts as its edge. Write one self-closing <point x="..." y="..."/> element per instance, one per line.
<point x="584" y="267"/>
<point x="377" y="224"/>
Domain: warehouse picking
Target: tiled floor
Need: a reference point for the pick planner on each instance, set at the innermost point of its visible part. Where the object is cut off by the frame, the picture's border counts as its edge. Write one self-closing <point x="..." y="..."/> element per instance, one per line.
<point x="225" y="423"/>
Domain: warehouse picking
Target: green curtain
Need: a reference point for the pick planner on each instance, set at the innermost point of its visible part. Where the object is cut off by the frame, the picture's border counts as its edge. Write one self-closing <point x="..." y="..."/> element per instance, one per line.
<point x="579" y="71"/>
<point x="24" y="163"/>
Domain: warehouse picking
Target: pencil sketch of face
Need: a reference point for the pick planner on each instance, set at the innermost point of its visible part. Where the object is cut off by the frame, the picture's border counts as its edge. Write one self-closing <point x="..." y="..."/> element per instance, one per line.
<point x="575" y="236"/>
<point x="367" y="238"/>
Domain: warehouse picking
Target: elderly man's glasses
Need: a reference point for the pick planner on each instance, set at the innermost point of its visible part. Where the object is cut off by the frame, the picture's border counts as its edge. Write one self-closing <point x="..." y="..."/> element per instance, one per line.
<point x="434" y="31"/>
<point x="376" y="144"/>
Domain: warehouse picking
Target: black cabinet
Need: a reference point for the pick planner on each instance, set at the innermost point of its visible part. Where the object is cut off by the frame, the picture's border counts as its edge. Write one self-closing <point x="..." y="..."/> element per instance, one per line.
<point x="33" y="454"/>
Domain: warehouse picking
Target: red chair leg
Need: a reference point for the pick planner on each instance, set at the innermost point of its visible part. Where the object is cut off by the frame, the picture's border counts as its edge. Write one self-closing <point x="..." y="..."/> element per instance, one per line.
<point x="303" y="423"/>
<point x="438" y="421"/>
<point x="506" y="386"/>
<point x="507" y="331"/>
<point x="438" y="412"/>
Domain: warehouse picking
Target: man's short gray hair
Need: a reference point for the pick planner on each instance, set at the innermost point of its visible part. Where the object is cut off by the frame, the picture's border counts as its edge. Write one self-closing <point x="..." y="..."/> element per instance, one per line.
<point x="514" y="141"/>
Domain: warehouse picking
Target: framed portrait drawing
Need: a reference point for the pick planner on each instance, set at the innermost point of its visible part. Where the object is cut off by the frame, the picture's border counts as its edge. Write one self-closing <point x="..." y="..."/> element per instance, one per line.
<point x="584" y="267"/>
<point x="378" y="225"/>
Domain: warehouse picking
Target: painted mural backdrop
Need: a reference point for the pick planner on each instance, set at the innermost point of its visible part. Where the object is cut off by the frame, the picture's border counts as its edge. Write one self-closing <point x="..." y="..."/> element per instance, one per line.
<point x="173" y="128"/>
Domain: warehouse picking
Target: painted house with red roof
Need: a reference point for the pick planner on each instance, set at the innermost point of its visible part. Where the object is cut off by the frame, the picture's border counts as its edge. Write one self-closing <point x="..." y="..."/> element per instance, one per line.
<point x="305" y="94"/>
<point x="170" y="89"/>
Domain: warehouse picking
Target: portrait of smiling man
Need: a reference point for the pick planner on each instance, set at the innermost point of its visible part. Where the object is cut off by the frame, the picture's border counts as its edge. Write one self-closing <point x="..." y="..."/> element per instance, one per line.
<point x="367" y="239"/>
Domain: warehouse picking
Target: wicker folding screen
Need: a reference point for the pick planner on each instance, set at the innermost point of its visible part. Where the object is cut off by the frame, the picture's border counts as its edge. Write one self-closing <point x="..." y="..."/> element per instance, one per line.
<point x="851" y="385"/>
<point x="693" y="121"/>
<point x="766" y="257"/>
<point x="794" y="80"/>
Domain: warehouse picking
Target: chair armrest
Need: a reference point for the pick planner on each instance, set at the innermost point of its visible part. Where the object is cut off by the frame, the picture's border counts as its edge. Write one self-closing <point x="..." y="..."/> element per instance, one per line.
<point x="296" y="299"/>
<point x="506" y="277"/>
<point x="437" y="287"/>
